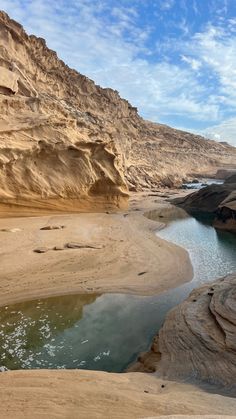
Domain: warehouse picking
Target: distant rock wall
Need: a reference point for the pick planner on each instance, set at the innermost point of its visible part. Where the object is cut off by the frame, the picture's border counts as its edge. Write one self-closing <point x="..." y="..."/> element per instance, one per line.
<point x="217" y="200"/>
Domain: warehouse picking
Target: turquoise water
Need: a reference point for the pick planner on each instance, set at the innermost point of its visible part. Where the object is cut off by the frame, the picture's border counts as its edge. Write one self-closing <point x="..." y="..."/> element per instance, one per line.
<point x="107" y="332"/>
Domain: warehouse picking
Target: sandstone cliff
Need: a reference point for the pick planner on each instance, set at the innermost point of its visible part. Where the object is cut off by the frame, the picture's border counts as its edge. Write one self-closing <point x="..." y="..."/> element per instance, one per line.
<point x="68" y="144"/>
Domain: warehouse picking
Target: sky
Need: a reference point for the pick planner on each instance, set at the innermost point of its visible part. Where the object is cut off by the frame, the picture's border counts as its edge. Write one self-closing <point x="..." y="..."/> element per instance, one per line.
<point x="175" y="60"/>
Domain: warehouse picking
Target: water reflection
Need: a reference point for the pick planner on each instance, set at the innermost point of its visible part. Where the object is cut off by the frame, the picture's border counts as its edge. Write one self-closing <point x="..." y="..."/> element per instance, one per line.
<point x="107" y="332"/>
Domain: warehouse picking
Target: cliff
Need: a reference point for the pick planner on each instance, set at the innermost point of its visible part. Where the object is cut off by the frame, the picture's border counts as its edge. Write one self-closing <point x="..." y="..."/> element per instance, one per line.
<point x="68" y="144"/>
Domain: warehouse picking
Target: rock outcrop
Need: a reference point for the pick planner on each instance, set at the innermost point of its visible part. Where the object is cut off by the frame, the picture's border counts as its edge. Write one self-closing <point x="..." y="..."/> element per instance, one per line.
<point x="226" y="214"/>
<point x="198" y="338"/>
<point x="224" y="173"/>
<point x="216" y="200"/>
<point x="68" y="144"/>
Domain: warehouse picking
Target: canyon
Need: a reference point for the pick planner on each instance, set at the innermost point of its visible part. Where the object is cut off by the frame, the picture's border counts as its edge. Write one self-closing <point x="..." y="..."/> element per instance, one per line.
<point x="82" y="178"/>
<point x="68" y="144"/>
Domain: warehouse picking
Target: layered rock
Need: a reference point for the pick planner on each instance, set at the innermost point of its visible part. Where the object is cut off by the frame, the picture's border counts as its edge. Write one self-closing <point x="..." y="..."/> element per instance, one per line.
<point x="226" y="213"/>
<point x="216" y="200"/>
<point x="66" y="143"/>
<point x="224" y="173"/>
<point x="198" y="339"/>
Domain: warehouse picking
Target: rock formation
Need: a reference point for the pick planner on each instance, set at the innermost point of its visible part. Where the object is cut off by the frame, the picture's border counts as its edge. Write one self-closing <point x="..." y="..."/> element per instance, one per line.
<point x="226" y="214"/>
<point x="68" y="144"/>
<point x="198" y="338"/>
<point x="217" y="200"/>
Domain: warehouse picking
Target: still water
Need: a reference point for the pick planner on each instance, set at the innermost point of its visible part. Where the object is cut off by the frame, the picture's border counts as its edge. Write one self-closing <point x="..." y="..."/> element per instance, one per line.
<point x="106" y="332"/>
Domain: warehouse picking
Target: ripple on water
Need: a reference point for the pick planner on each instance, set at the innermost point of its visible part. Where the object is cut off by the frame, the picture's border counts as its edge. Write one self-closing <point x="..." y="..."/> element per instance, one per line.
<point x="107" y="332"/>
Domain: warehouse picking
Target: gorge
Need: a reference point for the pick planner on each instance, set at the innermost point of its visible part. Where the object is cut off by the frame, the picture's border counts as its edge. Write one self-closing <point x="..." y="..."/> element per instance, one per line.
<point x="98" y="253"/>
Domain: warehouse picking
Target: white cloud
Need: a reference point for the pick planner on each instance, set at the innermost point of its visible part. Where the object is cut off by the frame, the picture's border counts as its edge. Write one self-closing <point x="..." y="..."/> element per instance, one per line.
<point x="167" y="4"/>
<point x="194" y="64"/>
<point x="217" y="49"/>
<point x="102" y="52"/>
<point x="106" y="43"/>
<point x="226" y="131"/>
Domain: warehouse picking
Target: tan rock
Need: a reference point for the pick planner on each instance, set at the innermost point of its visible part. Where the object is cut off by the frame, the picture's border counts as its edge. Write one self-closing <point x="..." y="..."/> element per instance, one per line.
<point x="69" y="145"/>
<point x="8" y="81"/>
<point x="82" y="394"/>
<point x="198" y="338"/>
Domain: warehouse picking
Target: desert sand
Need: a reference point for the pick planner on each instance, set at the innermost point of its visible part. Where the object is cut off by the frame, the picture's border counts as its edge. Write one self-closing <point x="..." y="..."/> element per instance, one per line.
<point x="89" y="247"/>
<point x="97" y="395"/>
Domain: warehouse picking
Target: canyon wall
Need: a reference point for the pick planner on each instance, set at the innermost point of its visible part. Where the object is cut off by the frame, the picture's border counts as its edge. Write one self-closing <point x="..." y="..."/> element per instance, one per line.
<point x="68" y="144"/>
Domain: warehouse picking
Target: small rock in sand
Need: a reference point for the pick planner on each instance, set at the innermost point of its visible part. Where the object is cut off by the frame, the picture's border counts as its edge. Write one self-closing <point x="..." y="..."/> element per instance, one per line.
<point x="41" y="250"/>
<point x="10" y="230"/>
<point x="58" y="248"/>
<point x="81" y="246"/>
<point x="52" y="227"/>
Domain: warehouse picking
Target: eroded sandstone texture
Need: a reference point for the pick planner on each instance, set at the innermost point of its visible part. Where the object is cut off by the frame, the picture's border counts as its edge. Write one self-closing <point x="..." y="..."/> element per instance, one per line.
<point x="68" y="144"/>
<point x="198" y="339"/>
<point x="217" y="200"/>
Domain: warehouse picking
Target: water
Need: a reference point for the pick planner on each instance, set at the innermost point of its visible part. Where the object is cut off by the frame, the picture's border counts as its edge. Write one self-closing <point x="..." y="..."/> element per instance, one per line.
<point x="202" y="183"/>
<point x="107" y="332"/>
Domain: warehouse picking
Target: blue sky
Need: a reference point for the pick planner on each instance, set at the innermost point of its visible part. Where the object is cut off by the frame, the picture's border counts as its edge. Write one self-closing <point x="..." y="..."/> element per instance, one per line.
<point x="173" y="59"/>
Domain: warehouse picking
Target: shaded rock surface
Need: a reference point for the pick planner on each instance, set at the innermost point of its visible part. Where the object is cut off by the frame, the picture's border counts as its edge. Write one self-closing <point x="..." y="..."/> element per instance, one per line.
<point x="217" y="200"/>
<point x="68" y="144"/>
<point x="225" y="173"/>
<point x="198" y="339"/>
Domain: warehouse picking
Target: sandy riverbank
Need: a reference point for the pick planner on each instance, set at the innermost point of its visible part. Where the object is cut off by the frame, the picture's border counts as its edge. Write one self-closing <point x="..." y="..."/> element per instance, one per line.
<point x="125" y="246"/>
<point x="127" y="256"/>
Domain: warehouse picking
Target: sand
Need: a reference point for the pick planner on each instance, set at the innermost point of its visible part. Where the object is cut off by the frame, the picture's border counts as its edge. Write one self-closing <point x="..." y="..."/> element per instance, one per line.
<point x="123" y="245"/>
<point x="91" y="395"/>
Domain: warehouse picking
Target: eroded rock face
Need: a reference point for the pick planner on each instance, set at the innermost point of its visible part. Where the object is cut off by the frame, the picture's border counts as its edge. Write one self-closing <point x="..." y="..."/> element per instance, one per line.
<point x="68" y="144"/>
<point x="198" y="339"/>
<point x="217" y="200"/>
<point x="8" y="81"/>
<point x="226" y="214"/>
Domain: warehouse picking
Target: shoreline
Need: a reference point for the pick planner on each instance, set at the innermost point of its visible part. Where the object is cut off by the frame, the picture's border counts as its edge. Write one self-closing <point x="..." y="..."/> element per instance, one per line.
<point x="125" y="244"/>
<point x="131" y="395"/>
